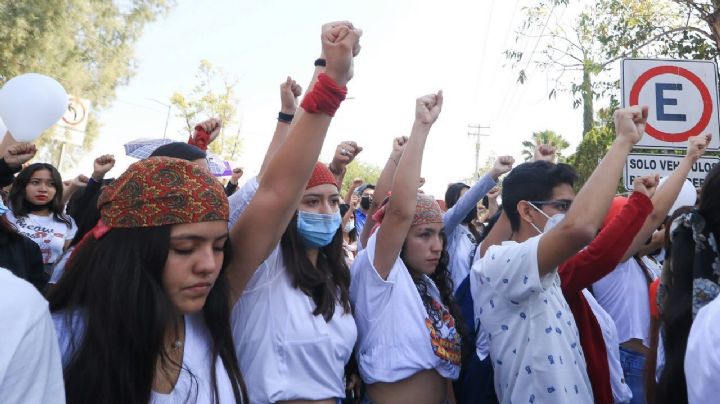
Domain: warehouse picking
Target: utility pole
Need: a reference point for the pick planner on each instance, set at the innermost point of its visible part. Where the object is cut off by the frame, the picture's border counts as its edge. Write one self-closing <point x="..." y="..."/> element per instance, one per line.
<point x="476" y="131"/>
<point x="167" y="118"/>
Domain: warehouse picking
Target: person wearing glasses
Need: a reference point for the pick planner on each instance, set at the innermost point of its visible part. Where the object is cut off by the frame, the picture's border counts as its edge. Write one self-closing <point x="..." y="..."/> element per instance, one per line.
<point x="534" y="342"/>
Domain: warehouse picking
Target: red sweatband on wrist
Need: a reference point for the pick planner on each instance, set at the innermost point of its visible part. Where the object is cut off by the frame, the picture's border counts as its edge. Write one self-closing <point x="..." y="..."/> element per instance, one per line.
<point x="201" y="139"/>
<point x="325" y="96"/>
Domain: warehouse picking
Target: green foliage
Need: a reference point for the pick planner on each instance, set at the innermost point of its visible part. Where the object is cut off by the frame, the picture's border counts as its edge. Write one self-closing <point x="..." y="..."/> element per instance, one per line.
<point x="590" y="151"/>
<point x="86" y="45"/>
<point x="212" y="97"/>
<point x="576" y="55"/>
<point x="545" y="137"/>
<point x="369" y="173"/>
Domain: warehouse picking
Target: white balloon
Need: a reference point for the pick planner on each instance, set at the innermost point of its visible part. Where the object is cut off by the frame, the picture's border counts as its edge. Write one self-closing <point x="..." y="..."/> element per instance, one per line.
<point x="686" y="197"/>
<point x="31" y="103"/>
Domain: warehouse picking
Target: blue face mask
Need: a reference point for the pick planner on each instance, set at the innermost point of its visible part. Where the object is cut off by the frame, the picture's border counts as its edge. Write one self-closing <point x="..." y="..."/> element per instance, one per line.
<point x="317" y="229"/>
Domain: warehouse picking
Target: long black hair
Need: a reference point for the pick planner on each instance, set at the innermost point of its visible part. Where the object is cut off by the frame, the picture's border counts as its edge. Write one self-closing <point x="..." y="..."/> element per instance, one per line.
<point x="676" y="315"/>
<point x="442" y="279"/>
<point x="116" y="282"/>
<point x="20" y="205"/>
<point x="328" y="282"/>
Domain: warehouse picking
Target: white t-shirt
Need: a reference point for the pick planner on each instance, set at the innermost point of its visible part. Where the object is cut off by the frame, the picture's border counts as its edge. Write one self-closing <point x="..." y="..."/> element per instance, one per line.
<point x="285" y="352"/>
<point x="534" y="342"/>
<point x="482" y="343"/>
<point x="30" y="369"/>
<point x="461" y="247"/>
<point x="621" y="391"/>
<point x="623" y="293"/>
<point x="194" y="384"/>
<point x="46" y="232"/>
<point x="702" y="357"/>
<point x="241" y="199"/>
<point x="396" y="336"/>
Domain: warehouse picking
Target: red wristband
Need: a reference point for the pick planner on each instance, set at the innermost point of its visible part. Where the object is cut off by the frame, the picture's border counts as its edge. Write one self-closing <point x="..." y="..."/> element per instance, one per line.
<point x="325" y="96"/>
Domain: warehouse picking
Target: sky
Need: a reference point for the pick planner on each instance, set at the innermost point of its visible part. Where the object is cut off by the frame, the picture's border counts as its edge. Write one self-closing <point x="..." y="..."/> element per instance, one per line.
<point x="409" y="48"/>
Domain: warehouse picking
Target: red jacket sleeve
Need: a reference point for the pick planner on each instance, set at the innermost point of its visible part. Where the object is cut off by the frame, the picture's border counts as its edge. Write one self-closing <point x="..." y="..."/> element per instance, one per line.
<point x="607" y="249"/>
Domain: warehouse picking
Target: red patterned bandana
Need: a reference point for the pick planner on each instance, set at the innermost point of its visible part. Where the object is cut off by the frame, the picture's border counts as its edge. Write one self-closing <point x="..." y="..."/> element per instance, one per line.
<point x="159" y="191"/>
<point x="321" y="175"/>
<point x="427" y="210"/>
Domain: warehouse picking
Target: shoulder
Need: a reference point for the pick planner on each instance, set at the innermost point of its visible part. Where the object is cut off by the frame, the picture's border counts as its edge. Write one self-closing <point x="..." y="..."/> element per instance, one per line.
<point x="19" y="300"/>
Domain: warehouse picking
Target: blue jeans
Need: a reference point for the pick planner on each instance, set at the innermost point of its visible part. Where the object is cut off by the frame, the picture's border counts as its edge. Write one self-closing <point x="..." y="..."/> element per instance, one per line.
<point x="633" y="365"/>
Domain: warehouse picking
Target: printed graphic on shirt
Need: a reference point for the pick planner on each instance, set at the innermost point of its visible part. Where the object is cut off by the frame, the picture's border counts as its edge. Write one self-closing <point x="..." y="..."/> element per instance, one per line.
<point x="49" y="234"/>
<point x="443" y="334"/>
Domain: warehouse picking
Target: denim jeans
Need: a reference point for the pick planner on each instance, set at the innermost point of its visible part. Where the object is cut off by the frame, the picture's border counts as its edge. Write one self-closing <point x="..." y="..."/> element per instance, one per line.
<point x="633" y="365"/>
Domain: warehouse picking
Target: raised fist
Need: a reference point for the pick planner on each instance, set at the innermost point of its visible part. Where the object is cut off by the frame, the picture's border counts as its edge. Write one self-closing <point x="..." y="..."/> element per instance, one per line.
<point x="697" y="145"/>
<point x="646" y="184"/>
<point x="236" y="174"/>
<point x="503" y="164"/>
<point x="102" y="165"/>
<point x="346" y="152"/>
<point x="340" y="43"/>
<point x="289" y="93"/>
<point x="212" y="126"/>
<point x="19" y="154"/>
<point x="427" y="108"/>
<point x="544" y="152"/>
<point x="630" y="123"/>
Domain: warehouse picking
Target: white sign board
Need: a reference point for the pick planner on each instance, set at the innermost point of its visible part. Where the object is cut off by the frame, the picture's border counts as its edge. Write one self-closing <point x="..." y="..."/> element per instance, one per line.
<point x="71" y="127"/>
<point x="682" y="97"/>
<point x="664" y="164"/>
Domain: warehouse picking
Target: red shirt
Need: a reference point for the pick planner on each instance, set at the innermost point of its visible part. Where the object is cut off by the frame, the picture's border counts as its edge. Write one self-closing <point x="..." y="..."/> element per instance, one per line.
<point x="589" y="266"/>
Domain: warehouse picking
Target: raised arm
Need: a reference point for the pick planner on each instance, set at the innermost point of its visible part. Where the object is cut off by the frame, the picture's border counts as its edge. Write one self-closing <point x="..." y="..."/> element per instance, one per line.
<point x="472" y="196"/>
<point x="101" y="166"/>
<point x="345" y="153"/>
<point x="12" y="160"/>
<point x="593" y="201"/>
<point x="400" y="210"/>
<point x="605" y="252"/>
<point x="667" y="194"/>
<point x="288" y="171"/>
<point x="383" y="186"/>
<point x="289" y="93"/>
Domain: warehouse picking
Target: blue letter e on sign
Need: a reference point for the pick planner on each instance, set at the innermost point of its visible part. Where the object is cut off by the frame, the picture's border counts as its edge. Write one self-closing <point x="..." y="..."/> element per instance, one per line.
<point x="661" y="101"/>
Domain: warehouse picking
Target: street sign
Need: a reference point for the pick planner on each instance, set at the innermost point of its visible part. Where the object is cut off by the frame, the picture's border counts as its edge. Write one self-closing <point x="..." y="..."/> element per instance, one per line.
<point x="682" y="96"/>
<point x="639" y="164"/>
<point x="71" y="127"/>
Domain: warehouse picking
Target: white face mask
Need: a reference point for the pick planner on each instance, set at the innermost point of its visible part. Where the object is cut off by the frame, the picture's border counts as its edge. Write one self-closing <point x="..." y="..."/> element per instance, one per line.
<point x="349" y="226"/>
<point x="551" y="221"/>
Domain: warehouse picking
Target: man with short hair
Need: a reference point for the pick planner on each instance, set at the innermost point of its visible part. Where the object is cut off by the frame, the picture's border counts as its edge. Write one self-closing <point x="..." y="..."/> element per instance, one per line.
<point x="366" y="193"/>
<point x="534" y="342"/>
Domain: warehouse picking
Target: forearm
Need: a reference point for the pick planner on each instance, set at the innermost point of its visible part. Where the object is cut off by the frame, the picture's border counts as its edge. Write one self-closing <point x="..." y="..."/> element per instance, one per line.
<point x="381" y="188"/>
<point x="593" y="201"/>
<point x="350" y="192"/>
<point x="464" y="205"/>
<point x="662" y="201"/>
<point x="607" y="249"/>
<point x="68" y="194"/>
<point x="405" y="181"/>
<point x="281" y="131"/>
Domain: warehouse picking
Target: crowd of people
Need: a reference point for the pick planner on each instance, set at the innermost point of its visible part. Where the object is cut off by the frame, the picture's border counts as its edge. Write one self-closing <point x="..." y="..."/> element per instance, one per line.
<point x="164" y="286"/>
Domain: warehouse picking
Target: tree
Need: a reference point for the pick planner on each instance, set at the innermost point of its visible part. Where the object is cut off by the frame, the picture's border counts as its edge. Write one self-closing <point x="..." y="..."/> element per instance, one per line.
<point x="546" y="137"/>
<point x="577" y="55"/>
<point x="367" y="172"/>
<point x="213" y="96"/>
<point x="86" y="45"/>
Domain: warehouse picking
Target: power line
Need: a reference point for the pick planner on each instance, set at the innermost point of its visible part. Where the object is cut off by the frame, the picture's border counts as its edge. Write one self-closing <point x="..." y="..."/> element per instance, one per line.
<point x="505" y="104"/>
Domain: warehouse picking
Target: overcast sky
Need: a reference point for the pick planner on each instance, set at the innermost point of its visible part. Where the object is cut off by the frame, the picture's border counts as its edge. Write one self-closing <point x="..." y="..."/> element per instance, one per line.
<point x="409" y="48"/>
